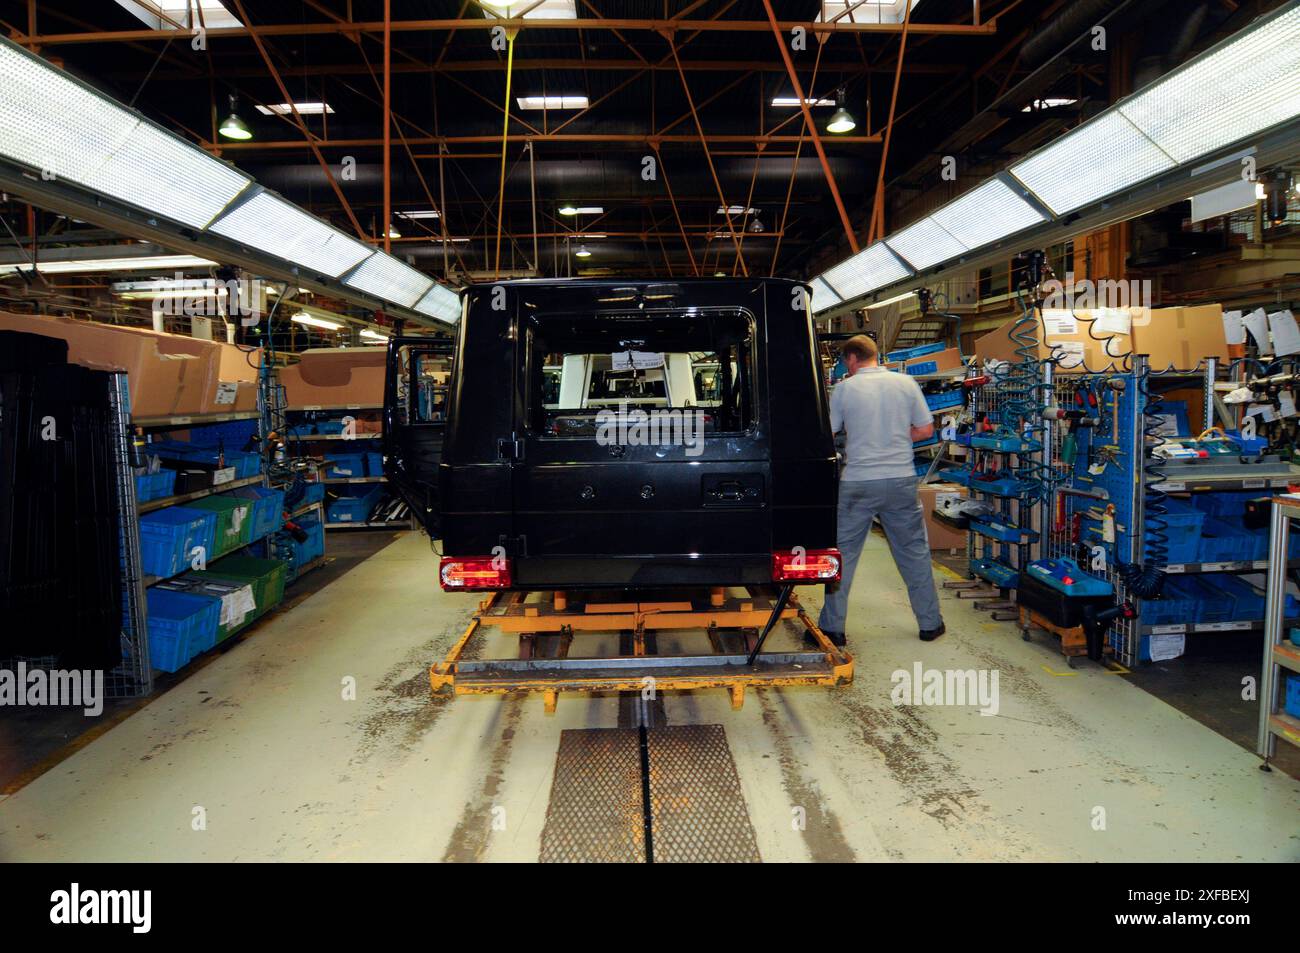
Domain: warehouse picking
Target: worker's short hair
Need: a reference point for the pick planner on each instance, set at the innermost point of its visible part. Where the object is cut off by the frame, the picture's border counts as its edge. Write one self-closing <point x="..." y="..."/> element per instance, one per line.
<point x="861" y="347"/>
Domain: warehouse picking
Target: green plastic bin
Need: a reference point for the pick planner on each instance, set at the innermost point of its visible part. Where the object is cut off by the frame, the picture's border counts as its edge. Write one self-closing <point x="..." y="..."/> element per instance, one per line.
<point x="234" y="521"/>
<point x="266" y="576"/>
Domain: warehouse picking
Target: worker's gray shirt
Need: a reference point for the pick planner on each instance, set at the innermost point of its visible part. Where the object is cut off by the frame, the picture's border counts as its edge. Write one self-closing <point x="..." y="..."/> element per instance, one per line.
<point x="877" y="410"/>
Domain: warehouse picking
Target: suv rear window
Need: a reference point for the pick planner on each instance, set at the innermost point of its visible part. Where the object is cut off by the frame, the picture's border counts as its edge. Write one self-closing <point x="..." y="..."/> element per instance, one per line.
<point x="579" y="365"/>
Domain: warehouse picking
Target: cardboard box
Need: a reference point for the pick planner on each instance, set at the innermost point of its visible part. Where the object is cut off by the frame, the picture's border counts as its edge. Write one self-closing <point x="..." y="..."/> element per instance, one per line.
<point x="1177" y="337"/>
<point x="942" y="536"/>
<point x="335" y="377"/>
<point x="948" y="359"/>
<point x="233" y="386"/>
<point x="168" y="373"/>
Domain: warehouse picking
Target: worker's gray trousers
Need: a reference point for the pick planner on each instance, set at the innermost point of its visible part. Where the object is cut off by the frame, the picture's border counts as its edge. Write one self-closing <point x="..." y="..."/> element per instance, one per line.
<point x="896" y="503"/>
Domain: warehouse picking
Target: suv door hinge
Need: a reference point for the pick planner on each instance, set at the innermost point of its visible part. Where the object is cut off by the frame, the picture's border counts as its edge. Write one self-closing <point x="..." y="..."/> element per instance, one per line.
<point x="510" y="449"/>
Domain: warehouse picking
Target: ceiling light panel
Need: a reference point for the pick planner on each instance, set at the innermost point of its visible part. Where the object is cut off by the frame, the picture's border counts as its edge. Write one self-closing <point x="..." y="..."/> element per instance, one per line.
<point x="1245" y="87"/>
<point x="866" y="271"/>
<point x="822" y="296"/>
<point x="441" y="303"/>
<point x="385" y="277"/>
<point x="52" y="123"/>
<point x="272" y="225"/>
<point x="1097" y="159"/>
<point x="986" y="213"/>
<point x="304" y="109"/>
<point x="925" y="244"/>
<point x="552" y="102"/>
<point x="158" y="172"/>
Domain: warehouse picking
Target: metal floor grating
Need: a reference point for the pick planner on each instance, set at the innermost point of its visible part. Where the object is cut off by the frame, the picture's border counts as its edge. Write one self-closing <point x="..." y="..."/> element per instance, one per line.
<point x="699" y="810"/>
<point x="596" y="811"/>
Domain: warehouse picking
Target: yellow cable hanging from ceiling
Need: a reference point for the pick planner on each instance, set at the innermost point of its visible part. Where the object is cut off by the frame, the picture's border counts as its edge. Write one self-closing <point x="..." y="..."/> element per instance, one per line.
<point x="505" y="138"/>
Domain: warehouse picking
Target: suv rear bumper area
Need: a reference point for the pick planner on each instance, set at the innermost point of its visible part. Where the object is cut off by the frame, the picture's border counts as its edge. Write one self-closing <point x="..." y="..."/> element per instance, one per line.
<point x="610" y="572"/>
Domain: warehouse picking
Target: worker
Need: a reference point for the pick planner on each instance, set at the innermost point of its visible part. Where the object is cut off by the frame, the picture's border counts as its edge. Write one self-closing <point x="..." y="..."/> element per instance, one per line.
<point x="882" y="414"/>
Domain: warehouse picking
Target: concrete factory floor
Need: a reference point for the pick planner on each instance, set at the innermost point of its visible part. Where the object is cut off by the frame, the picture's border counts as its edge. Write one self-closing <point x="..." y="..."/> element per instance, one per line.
<point x="260" y="750"/>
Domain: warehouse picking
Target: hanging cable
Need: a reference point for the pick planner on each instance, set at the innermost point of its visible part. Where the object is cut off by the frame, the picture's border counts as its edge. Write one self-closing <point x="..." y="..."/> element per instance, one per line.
<point x="505" y="140"/>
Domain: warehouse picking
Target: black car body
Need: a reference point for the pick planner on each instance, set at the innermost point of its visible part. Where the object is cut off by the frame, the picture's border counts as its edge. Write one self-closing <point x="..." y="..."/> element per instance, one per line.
<point x="540" y="459"/>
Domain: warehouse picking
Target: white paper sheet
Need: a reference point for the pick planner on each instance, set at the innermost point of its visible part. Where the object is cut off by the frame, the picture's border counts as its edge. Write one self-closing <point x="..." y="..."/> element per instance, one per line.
<point x="1166" y="647"/>
<point x="1286" y="336"/>
<point x="1257" y="324"/>
<point x="636" y="360"/>
<point x="1234" y="329"/>
<point x="1111" y="321"/>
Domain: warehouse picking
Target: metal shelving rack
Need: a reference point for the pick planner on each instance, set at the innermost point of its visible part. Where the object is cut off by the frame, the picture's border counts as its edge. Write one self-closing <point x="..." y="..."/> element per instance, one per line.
<point x="133" y="678"/>
<point x="1279" y="654"/>
<point x="308" y="438"/>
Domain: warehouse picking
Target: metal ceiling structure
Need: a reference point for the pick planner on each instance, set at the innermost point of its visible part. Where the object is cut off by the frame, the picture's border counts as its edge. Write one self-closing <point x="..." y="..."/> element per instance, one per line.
<point x="679" y="123"/>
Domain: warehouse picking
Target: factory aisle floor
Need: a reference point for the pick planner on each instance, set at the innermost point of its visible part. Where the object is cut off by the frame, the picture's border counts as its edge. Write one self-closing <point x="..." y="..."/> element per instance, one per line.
<point x="260" y="756"/>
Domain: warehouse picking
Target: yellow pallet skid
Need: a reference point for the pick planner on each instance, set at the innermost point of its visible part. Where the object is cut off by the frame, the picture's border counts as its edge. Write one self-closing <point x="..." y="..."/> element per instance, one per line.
<point x="546" y="624"/>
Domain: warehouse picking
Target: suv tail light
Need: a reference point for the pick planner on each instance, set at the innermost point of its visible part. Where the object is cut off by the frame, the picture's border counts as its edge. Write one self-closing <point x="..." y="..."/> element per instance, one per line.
<point x="811" y="565"/>
<point x="474" y="572"/>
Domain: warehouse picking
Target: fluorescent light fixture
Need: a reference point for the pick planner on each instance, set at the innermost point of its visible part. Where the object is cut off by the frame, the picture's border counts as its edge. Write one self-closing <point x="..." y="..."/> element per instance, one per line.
<point x="1048" y="102"/>
<point x="571" y="209"/>
<point x="180" y="14"/>
<point x="384" y="276"/>
<point x="272" y="225"/>
<point x="1247" y="84"/>
<point x="864" y="11"/>
<point x="420" y="214"/>
<point x="736" y="210"/>
<point x="533" y="9"/>
<point x="888" y="301"/>
<point x="92" y="265"/>
<point x="925" y="244"/>
<point x="787" y="102"/>
<point x="866" y="271"/>
<point x="369" y="335"/>
<point x="163" y="288"/>
<point x="304" y="109"/>
<point x="987" y="213"/>
<point x="311" y="321"/>
<point x="1097" y="159"/>
<point x="441" y="303"/>
<point x="822" y="296"/>
<point x="67" y="131"/>
<point x="552" y="102"/>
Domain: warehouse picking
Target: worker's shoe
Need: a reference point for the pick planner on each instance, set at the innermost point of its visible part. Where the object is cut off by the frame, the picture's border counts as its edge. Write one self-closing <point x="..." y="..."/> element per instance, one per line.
<point x="929" y="635"/>
<point x="837" y="638"/>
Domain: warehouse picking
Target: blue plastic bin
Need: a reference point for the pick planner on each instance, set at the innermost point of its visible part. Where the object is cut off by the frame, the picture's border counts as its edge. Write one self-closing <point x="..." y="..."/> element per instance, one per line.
<point x="268" y="509"/>
<point x="1293" y="695"/>
<point x="313" y="493"/>
<point x="180" y="627"/>
<point x="1223" y="542"/>
<point x="375" y="464"/>
<point x="233" y="435"/>
<point x="1183" y="524"/>
<point x="944" y="399"/>
<point x="353" y="508"/>
<point x="1178" y="604"/>
<point x="344" y="466"/>
<point x="154" y="486"/>
<point x="314" y="545"/>
<point x="168" y="536"/>
<point x="907" y="353"/>
<point x="922" y="367"/>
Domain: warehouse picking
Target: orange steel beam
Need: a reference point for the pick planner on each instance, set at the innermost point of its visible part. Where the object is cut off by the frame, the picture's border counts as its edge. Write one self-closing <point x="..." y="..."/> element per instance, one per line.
<point x="877" y="228"/>
<point x="320" y="158"/>
<point x="441" y="26"/>
<point x="780" y="35"/>
<point x="853" y="67"/>
<point x="794" y="166"/>
<point x="505" y="141"/>
<point x="740" y="256"/>
<point x="601" y="138"/>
